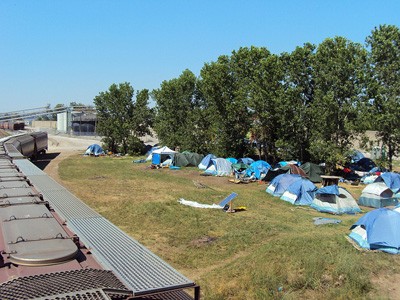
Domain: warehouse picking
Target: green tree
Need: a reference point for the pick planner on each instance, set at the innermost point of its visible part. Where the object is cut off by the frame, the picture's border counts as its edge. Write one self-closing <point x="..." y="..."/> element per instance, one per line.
<point x="339" y="68"/>
<point x="295" y="116"/>
<point x="265" y="92"/>
<point x="226" y="105"/>
<point x="141" y="121"/>
<point x="384" y="86"/>
<point x="116" y="113"/>
<point x="176" y="105"/>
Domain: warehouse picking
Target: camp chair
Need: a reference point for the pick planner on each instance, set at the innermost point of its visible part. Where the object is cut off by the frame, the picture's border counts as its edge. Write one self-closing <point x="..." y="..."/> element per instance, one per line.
<point x="228" y="201"/>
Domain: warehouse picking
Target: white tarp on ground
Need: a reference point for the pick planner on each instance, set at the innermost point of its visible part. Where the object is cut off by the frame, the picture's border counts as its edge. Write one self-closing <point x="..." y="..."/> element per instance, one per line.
<point x="199" y="205"/>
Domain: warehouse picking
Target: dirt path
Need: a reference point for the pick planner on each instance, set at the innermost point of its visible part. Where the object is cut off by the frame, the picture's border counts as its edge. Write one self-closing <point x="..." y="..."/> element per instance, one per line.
<point x="60" y="147"/>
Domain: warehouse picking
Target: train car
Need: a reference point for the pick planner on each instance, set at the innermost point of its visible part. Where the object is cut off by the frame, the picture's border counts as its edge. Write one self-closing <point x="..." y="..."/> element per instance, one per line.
<point x="56" y="247"/>
<point x="18" y="125"/>
<point x="25" y="144"/>
<point x="4" y="125"/>
<point x="41" y="141"/>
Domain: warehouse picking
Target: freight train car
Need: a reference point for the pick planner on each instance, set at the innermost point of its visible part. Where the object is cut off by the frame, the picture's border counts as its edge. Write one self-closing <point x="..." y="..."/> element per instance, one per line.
<point x="25" y="144"/>
<point x="41" y="141"/>
<point x="12" y="125"/>
<point x="29" y="145"/>
<point x="53" y="246"/>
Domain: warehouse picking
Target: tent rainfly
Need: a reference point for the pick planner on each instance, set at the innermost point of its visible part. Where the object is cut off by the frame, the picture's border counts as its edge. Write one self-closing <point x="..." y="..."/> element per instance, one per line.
<point x="378" y="230"/>
<point x="335" y="200"/>
<point x="377" y="194"/>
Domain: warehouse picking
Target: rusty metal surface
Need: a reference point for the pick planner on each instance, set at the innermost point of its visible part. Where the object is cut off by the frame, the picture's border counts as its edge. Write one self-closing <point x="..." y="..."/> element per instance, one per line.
<point x="38" y="222"/>
<point x="94" y="294"/>
<point x="53" y="284"/>
<point x="33" y="237"/>
<point x="19" y="200"/>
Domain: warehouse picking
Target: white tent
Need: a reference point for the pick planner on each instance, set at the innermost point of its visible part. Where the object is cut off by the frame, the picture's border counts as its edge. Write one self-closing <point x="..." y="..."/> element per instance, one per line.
<point x="378" y="195"/>
<point x="164" y="150"/>
<point x="162" y="154"/>
<point x="220" y="167"/>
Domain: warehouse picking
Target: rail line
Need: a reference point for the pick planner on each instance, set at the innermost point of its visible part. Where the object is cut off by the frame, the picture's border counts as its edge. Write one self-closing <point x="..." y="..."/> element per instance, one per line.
<point x="53" y="246"/>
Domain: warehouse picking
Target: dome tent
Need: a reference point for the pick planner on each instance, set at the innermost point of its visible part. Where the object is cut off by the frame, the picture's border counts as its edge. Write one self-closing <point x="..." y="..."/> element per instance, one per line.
<point x="300" y="192"/>
<point x="377" y="194"/>
<point x="280" y="184"/>
<point x="378" y="230"/>
<point x="335" y="200"/>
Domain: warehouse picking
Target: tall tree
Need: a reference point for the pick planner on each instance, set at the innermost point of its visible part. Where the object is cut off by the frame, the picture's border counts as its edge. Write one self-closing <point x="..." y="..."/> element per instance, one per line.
<point x="384" y="86"/>
<point x="265" y="86"/>
<point x="294" y="135"/>
<point x="339" y="68"/>
<point x="175" y="106"/>
<point x="116" y="116"/>
<point x="140" y="122"/>
<point x="225" y="107"/>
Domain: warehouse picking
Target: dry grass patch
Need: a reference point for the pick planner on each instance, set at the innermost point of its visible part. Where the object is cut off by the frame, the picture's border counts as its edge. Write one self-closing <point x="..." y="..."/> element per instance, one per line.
<point x="271" y="250"/>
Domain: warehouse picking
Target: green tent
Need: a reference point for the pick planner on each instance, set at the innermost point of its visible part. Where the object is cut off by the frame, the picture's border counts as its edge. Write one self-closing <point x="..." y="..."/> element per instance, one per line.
<point x="186" y="159"/>
<point x="313" y="171"/>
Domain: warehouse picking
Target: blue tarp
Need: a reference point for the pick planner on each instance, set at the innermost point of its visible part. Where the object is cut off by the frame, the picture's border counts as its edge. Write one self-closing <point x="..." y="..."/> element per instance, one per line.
<point x="258" y="168"/>
<point x="330" y="189"/>
<point x="246" y="160"/>
<point x="382" y="230"/>
<point x="95" y="150"/>
<point x="232" y="160"/>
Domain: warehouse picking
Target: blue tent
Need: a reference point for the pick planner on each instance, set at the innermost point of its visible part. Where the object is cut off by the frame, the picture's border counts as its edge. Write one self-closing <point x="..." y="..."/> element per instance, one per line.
<point x="258" y="168"/>
<point x="232" y="160"/>
<point x="300" y="192"/>
<point x="335" y="200"/>
<point x="219" y="167"/>
<point x="378" y="230"/>
<point x="162" y="155"/>
<point x="246" y="160"/>
<point x="150" y="152"/>
<point x="391" y="179"/>
<point x="95" y="150"/>
<point x="356" y="156"/>
<point x="280" y="184"/>
<point x="206" y="161"/>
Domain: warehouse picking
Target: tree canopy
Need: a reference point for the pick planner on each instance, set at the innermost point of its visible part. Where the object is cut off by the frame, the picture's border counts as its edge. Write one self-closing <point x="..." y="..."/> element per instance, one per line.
<point x="384" y="86"/>
<point x="121" y="120"/>
<point x="308" y="105"/>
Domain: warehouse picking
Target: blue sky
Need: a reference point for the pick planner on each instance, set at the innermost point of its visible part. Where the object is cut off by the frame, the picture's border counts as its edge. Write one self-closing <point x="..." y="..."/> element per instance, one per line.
<point x="62" y="51"/>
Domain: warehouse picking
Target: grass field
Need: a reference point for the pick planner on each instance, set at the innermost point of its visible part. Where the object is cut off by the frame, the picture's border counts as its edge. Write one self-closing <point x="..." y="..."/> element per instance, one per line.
<point x="270" y="251"/>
